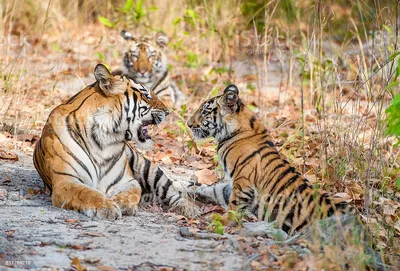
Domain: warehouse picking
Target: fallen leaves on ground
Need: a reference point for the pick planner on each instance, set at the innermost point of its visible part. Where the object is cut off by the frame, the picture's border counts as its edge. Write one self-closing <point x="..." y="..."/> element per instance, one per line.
<point x="5" y="155"/>
<point x="9" y="233"/>
<point x="94" y="234"/>
<point x="209" y="208"/>
<point x="199" y="165"/>
<point x="105" y="268"/>
<point x="206" y="176"/>
<point x="79" y="247"/>
<point x="77" y="266"/>
<point x="6" y="180"/>
<point x="71" y="220"/>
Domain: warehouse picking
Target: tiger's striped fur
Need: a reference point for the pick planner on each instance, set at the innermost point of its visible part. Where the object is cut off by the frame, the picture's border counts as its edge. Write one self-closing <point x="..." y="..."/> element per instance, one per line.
<point x="146" y="63"/>
<point x="262" y="182"/>
<point x="84" y="159"/>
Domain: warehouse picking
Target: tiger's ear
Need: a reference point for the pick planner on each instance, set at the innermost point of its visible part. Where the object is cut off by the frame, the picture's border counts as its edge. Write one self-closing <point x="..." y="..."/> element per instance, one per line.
<point x="127" y="35"/>
<point x="230" y="99"/>
<point x="104" y="77"/>
<point x="161" y="39"/>
<point x="232" y="88"/>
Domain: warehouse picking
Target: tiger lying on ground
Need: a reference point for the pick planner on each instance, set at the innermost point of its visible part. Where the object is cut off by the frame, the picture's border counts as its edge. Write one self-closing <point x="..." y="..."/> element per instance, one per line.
<point x="83" y="158"/>
<point x="262" y="182"/>
<point x="146" y="63"/>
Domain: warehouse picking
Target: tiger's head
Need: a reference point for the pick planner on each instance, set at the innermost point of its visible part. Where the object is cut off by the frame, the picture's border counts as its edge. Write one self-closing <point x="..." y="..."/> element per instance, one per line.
<point x="219" y="116"/>
<point x="144" y="61"/>
<point x="125" y="110"/>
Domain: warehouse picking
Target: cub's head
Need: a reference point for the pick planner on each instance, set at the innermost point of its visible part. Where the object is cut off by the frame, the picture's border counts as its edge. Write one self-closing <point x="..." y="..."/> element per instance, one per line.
<point x="144" y="58"/>
<point x="125" y="109"/>
<point x="219" y="116"/>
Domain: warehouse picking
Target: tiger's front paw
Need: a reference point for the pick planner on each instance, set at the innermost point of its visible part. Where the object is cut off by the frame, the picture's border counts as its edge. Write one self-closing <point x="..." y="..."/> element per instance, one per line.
<point x="186" y="207"/>
<point x="128" y="201"/>
<point x="109" y="210"/>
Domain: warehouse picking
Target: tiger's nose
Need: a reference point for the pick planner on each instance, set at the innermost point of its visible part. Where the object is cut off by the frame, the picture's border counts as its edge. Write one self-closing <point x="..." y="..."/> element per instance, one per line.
<point x="189" y="123"/>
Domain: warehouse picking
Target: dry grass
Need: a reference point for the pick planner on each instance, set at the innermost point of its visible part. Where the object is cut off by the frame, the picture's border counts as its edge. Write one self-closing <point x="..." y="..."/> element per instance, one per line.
<point x="321" y="86"/>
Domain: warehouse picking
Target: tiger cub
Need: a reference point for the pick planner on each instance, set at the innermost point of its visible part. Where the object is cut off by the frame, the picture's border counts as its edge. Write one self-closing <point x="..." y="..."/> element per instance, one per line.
<point x="84" y="159"/>
<point x="262" y="182"/>
<point x="146" y="63"/>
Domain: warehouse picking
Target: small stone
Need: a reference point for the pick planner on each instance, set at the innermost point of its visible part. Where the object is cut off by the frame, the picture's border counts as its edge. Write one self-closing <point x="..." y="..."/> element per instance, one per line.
<point x="13" y="196"/>
<point x="3" y="194"/>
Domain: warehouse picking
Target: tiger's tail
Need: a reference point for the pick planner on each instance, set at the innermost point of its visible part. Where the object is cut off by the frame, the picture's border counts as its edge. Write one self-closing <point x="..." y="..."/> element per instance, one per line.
<point x="217" y="194"/>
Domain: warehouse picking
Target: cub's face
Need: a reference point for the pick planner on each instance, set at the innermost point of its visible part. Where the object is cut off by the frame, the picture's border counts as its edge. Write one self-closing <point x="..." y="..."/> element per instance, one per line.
<point x="206" y="119"/>
<point x="216" y="117"/>
<point x="128" y="108"/>
<point x="144" y="59"/>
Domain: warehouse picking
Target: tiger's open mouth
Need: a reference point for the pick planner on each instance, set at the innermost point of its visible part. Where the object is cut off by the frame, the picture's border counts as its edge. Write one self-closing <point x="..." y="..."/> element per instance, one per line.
<point x="143" y="131"/>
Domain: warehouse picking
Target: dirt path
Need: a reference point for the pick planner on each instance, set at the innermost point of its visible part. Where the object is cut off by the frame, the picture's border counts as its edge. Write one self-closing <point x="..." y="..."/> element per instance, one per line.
<point x="32" y="230"/>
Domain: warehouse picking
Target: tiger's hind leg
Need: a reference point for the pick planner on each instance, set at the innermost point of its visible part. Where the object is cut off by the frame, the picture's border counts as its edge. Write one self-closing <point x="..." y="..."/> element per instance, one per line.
<point x="69" y="194"/>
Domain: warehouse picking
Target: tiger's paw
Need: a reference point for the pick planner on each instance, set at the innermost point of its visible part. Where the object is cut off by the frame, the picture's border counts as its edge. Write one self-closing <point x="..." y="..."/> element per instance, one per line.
<point x="128" y="201"/>
<point x="127" y="208"/>
<point x="109" y="210"/>
<point x="186" y="207"/>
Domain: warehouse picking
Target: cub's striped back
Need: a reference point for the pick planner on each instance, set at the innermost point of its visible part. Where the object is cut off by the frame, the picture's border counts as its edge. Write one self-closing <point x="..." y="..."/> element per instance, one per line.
<point x="262" y="182"/>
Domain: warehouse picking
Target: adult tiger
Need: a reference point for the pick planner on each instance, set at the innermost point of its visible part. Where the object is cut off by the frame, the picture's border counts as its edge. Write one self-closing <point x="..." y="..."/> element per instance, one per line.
<point x="146" y="63"/>
<point x="262" y="182"/>
<point x="83" y="158"/>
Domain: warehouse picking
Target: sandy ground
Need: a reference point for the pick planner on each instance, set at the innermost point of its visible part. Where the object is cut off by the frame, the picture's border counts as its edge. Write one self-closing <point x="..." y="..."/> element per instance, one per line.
<point x="33" y="230"/>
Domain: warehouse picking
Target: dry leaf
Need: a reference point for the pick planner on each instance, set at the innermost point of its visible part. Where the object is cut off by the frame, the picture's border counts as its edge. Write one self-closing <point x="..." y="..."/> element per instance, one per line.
<point x="76" y="265"/>
<point x="209" y="208"/>
<point x="159" y="156"/>
<point x="27" y="137"/>
<point x="199" y="165"/>
<point x="91" y="261"/>
<point x="179" y="170"/>
<point x="79" y="247"/>
<point x="70" y="220"/>
<point x="256" y="265"/>
<point x="8" y="156"/>
<point x="6" y="179"/>
<point x="390" y="207"/>
<point x="167" y="161"/>
<point x="175" y="159"/>
<point x="343" y="195"/>
<point x="206" y="176"/>
<point x="356" y="190"/>
<point x="105" y="268"/>
<point x="9" y="233"/>
<point x="94" y="234"/>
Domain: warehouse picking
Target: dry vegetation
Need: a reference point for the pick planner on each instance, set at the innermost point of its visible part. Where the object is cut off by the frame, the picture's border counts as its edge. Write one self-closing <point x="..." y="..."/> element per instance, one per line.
<point x="318" y="72"/>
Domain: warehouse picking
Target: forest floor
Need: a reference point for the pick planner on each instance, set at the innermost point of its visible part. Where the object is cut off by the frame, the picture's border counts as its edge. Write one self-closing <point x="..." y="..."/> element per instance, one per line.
<point x="32" y="230"/>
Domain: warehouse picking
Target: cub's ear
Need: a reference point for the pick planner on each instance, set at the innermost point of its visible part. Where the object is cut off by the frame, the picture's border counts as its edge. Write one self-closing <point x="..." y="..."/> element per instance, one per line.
<point x="232" y="88"/>
<point x="161" y="39"/>
<point x="127" y="35"/>
<point x="230" y="99"/>
<point x="104" y="77"/>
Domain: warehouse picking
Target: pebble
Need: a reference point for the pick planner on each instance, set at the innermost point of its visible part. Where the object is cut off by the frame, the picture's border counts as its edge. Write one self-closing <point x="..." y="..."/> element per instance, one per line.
<point x="13" y="196"/>
<point x="3" y="194"/>
<point x="32" y="244"/>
